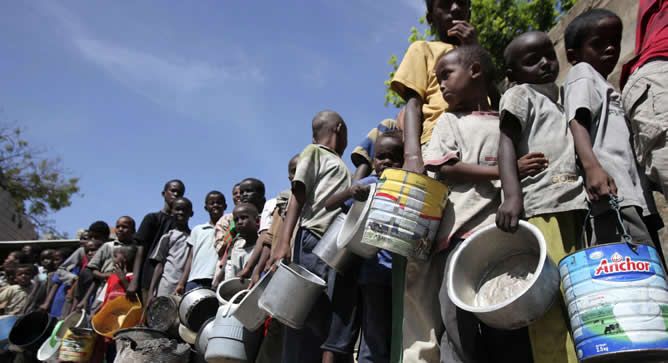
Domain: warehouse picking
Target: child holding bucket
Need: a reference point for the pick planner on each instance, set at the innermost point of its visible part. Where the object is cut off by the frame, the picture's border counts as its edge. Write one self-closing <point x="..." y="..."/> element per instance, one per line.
<point x="320" y="174"/>
<point x="532" y="122"/>
<point x="373" y="283"/>
<point x="463" y="153"/>
<point x="600" y="130"/>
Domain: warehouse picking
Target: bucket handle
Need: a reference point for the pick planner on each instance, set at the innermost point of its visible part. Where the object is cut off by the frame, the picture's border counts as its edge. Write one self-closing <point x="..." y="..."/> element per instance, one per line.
<point x="83" y="320"/>
<point x="232" y="301"/>
<point x="614" y="203"/>
<point x="53" y="340"/>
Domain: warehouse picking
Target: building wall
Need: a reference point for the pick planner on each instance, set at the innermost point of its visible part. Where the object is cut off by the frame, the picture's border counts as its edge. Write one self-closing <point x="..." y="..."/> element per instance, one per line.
<point x="13" y="226"/>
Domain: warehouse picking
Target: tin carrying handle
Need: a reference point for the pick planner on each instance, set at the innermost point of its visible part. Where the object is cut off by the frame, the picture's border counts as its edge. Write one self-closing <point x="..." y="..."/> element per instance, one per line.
<point x="614" y="205"/>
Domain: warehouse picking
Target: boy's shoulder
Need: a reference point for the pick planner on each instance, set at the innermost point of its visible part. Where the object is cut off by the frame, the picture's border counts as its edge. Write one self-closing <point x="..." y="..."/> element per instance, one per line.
<point x="583" y="70"/>
<point x="434" y="47"/>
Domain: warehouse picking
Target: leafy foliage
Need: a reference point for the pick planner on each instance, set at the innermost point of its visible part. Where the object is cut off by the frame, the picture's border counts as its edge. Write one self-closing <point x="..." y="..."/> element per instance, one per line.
<point x="496" y="22"/>
<point x="37" y="184"/>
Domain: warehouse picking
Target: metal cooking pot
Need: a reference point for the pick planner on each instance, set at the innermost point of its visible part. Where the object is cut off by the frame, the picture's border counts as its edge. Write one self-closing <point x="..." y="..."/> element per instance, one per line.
<point x="248" y="312"/>
<point x="197" y="306"/>
<point x="352" y="231"/>
<point x="338" y="258"/>
<point x="163" y="314"/>
<point x="187" y="335"/>
<point x="31" y="330"/>
<point x="291" y="293"/>
<point x="229" y="341"/>
<point x="203" y="336"/>
<point x="229" y="288"/>
<point x="488" y="253"/>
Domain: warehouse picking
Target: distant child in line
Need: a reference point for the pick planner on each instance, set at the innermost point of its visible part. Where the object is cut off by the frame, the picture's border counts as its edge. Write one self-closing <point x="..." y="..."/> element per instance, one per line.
<point x="554" y="200"/>
<point x="246" y="222"/>
<point x="171" y="253"/>
<point x="224" y="229"/>
<point x="202" y="257"/>
<point x="46" y="292"/>
<point x="14" y="298"/>
<point x="374" y="282"/>
<point x="86" y="284"/>
<point x="253" y="192"/>
<point x="152" y="228"/>
<point x="320" y="174"/>
<point x="463" y="153"/>
<point x="600" y="132"/>
<point x="102" y="263"/>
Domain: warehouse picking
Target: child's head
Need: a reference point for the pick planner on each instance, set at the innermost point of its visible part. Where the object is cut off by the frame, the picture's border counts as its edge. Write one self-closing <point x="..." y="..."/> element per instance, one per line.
<point x="252" y="191"/>
<point x="330" y="130"/>
<point x="57" y="258"/>
<point x="91" y="247"/>
<point x="125" y="228"/>
<point x="124" y="255"/>
<point x="245" y="219"/>
<point x="15" y="257"/>
<point x="441" y="13"/>
<point x="292" y="167"/>
<point x="173" y="189"/>
<point x="24" y="273"/>
<point x="45" y="259"/>
<point x="99" y="230"/>
<point x="464" y="75"/>
<point x="236" y="194"/>
<point x="30" y="252"/>
<point x="388" y="151"/>
<point x="530" y="58"/>
<point x="215" y="205"/>
<point x="594" y="37"/>
<point x="182" y="210"/>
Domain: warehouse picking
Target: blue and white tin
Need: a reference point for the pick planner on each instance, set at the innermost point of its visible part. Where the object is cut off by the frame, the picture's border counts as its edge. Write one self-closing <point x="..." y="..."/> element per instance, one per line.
<point x="617" y="302"/>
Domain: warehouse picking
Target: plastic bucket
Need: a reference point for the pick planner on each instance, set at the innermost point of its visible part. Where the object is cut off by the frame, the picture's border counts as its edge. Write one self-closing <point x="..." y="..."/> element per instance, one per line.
<point x="77" y="345"/>
<point x="506" y="279"/>
<point x="352" y="231"/>
<point x="119" y="313"/>
<point x="405" y="213"/>
<point x="51" y="347"/>
<point x="336" y="257"/>
<point x="31" y="330"/>
<point x="248" y="312"/>
<point x="291" y="293"/>
<point x="617" y="303"/>
<point x="6" y="324"/>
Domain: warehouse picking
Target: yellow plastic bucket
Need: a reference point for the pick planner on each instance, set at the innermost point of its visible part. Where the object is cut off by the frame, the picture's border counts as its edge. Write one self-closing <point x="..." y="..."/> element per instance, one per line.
<point x="405" y="213"/>
<point x="77" y="346"/>
<point x="119" y="313"/>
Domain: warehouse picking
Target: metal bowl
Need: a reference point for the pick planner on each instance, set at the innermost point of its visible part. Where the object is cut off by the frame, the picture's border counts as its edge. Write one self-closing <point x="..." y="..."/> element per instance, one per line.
<point x="338" y="258"/>
<point x="203" y="336"/>
<point x="352" y="230"/>
<point x="490" y="253"/>
<point x="197" y="306"/>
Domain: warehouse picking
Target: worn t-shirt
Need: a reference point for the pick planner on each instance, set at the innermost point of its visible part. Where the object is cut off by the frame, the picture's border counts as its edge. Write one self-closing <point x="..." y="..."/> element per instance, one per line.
<point x="238" y="257"/>
<point x="323" y="174"/>
<point x="416" y="72"/>
<point x="558" y="188"/>
<point x="265" y="216"/>
<point x="103" y="260"/>
<point x="152" y="227"/>
<point x="471" y="138"/>
<point x="172" y="251"/>
<point x="585" y="88"/>
<point x="65" y="271"/>
<point x="204" y="253"/>
<point x="13" y="299"/>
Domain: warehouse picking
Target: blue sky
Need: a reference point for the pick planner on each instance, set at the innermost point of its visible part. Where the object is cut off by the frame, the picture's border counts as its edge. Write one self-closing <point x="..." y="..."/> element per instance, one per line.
<point x="132" y="94"/>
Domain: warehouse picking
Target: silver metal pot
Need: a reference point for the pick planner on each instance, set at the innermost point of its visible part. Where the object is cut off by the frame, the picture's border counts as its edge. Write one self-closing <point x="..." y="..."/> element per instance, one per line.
<point x="162" y="314"/>
<point x="352" y="231"/>
<point x="203" y="336"/>
<point x="291" y="293"/>
<point x="229" y="288"/>
<point x="197" y="306"/>
<point x="340" y="259"/>
<point x="490" y="253"/>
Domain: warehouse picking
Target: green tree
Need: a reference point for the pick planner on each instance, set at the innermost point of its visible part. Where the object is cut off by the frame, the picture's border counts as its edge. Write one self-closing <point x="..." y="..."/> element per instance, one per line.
<point x="496" y="22"/>
<point x="38" y="185"/>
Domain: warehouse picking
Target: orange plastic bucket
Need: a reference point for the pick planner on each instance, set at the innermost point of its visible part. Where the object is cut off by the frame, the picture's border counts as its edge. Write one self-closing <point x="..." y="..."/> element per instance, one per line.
<point x="119" y="313"/>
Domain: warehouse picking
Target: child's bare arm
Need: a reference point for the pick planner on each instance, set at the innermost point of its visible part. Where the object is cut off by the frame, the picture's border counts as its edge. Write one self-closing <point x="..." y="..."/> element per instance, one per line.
<point x="86" y="298"/>
<point x="181" y="285"/>
<point x="247" y="270"/>
<point x="100" y="276"/>
<point x="597" y="181"/>
<point x="509" y="212"/>
<point x="264" y="256"/>
<point x="157" y="272"/>
<point x="295" y="206"/>
<point x="412" y="132"/>
<point x="49" y="298"/>
<point x="357" y="191"/>
<point x="133" y="287"/>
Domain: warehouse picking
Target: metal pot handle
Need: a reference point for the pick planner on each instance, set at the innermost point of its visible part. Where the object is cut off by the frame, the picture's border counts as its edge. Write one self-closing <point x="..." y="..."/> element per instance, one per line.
<point x="232" y="301"/>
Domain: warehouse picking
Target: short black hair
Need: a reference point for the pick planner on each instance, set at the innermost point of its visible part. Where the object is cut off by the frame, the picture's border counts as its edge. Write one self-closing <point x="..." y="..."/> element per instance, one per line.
<point x="27" y="266"/>
<point x="577" y="30"/>
<point x="212" y="193"/>
<point x="258" y="182"/>
<point x="175" y="181"/>
<point x="235" y="187"/>
<point x="394" y="134"/>
<point x="430" y="5"/>
<point x="128" y="251"/>
<point x="324" y="123"/>
<point x="100" y="228"/>
<point x="183" y="199"/>
<point x="247" y="205"/>
<point x="468" y="54"/>
<point x="132" y="222"/>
